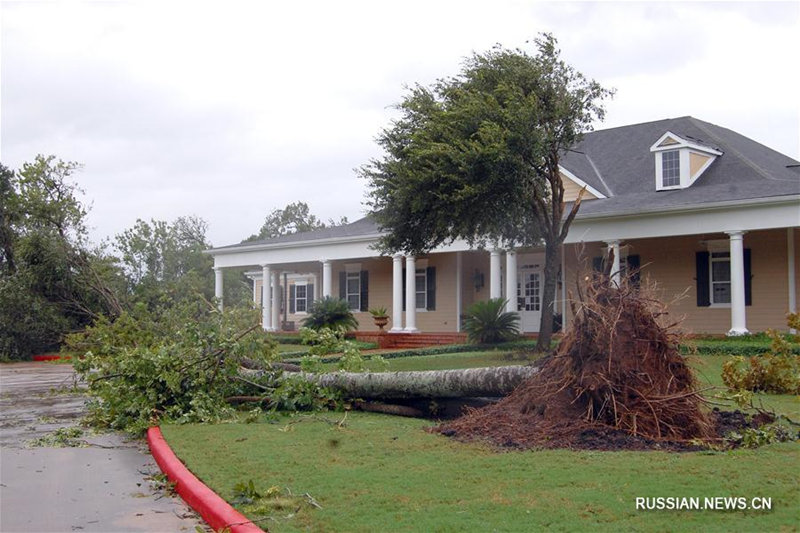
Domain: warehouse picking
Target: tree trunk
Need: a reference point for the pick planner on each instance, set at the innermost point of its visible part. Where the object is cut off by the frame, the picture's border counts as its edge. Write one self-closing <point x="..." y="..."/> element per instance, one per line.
<point x="460" y="383"/>
<point x="551" y="260"/>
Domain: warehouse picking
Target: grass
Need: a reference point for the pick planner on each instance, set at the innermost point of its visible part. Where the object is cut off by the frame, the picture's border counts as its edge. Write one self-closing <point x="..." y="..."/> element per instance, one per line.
<point x="379" y="473"/>
<point x="284" y="348"/>
<point x="444" y="361"/>
<point x="373" y="472"/>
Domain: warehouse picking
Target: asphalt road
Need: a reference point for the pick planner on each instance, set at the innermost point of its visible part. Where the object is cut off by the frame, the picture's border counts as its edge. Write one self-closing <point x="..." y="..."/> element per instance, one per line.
<point x="102" y="487"/>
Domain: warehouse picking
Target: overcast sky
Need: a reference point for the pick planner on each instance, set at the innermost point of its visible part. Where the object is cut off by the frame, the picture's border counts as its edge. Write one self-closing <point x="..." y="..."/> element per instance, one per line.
<point x="228" y="110"/>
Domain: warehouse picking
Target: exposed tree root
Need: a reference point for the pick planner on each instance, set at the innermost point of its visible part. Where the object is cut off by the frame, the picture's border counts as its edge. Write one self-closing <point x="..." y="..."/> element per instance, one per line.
<point x="617" y="374"/>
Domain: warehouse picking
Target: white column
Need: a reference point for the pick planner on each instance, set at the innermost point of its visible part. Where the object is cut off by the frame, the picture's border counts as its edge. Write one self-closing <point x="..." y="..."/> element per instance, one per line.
<point x="411" y="295"/>
<point x="511" y="281"/>
<point x="276" y="301"/>
<point x="738" y="318"/>
<point x="397" y="293"/>
<point x="792" y="279"/>
<point x="459" y="283"/>
<point x="266" y="298"/>
<point x="494" y="275"/>
<point x="327" y="287"/>
<point x="218" y="292"/>
<point x="613" y="246"/>
<point x="255" y="292"/>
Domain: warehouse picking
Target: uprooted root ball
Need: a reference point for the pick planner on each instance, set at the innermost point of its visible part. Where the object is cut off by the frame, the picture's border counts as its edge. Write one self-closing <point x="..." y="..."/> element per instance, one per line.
<point x="617" y="374"/>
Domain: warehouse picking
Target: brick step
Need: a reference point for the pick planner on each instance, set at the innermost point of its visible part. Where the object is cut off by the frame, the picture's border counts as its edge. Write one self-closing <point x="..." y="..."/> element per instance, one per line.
<point x="411" y="340"/>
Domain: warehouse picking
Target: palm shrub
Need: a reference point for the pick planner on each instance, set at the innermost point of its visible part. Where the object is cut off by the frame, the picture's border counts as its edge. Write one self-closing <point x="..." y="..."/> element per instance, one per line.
<point x="332" y="313"/>
<point x="486" y="322"/>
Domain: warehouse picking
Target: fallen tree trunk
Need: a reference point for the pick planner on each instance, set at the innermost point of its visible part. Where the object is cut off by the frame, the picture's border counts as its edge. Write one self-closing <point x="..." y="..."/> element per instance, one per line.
<point x="460" y="383"/>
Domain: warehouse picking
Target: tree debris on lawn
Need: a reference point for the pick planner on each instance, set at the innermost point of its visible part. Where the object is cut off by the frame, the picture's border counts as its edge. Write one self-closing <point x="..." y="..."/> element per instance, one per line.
<point x="617" y="379"/>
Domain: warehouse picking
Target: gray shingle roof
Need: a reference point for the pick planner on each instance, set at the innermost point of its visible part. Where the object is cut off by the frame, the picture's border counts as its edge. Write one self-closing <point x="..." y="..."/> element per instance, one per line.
<point x="362" y="227"/>
<point x="618" y="163"/>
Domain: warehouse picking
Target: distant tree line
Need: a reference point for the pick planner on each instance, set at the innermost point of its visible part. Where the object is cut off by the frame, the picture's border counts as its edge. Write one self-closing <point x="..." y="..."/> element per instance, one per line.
<point x="54" y="281"/>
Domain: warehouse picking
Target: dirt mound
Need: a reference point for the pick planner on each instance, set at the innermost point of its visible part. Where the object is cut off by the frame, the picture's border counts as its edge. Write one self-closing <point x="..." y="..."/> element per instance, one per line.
<point x="616" y="381"/>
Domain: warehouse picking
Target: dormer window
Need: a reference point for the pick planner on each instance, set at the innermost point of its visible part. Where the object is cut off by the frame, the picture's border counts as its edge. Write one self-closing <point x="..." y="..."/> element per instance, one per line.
<point x="680" y="161"/>
<point x="670" y="168"/>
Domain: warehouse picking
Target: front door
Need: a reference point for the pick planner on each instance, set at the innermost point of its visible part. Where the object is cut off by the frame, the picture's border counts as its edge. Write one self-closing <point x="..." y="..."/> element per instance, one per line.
<point x="529" y="297"/>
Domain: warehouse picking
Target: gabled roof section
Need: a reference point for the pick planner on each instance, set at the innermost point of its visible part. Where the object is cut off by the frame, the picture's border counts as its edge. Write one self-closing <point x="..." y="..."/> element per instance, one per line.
<point x="670" y="141"/>
<point x="621" y="157"/>
<point x="364" y="227"/>
<point x="579" y="183"/>
<point x="617" y="166"/>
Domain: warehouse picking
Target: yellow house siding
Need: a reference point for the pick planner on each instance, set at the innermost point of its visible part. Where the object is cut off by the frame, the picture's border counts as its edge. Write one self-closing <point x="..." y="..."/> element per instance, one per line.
<point x="696" y="161"/>
<point x="379" y="290"/>
<point x="571" y="190"/>
<point x="670" y="263"/>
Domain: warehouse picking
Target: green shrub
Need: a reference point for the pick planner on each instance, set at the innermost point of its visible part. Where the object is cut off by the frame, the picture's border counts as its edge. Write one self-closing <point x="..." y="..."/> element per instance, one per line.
<point x="776" y="372"/>
<point x="143" y="369"/>
<point x="487" y="323"/>
<point x="331" y="313"/>
<point x="331" y="341"/>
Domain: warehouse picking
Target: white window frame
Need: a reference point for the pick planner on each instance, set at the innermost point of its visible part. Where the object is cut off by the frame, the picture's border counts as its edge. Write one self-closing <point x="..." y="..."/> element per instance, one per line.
<point x="719" y="246"/>
<point x="352" y="275"/>
<point x="424" y="273"/>
<point x="304" y="299"/>
<point x="676" y="178"/>
<point x="711" y="282"/>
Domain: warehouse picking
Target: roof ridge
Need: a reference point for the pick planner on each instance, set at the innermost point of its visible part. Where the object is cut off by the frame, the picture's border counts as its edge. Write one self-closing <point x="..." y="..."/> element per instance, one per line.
<point x="703" y="126"/>
<point x="599" y="176"/>
<point x="639" y="124"/>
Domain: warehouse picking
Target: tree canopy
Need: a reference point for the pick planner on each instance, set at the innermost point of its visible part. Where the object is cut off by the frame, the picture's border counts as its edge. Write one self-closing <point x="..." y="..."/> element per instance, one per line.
<point x="294" y="218"/>
<point x="51" y="281"/>
<point x="476" y="157"/>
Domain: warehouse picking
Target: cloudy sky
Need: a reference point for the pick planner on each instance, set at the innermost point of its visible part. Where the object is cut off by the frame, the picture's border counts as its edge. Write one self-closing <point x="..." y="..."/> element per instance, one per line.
<point x="230" y="109"/>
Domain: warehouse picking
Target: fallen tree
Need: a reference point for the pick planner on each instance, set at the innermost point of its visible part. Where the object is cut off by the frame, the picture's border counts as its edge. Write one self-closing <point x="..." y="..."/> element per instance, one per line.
<point x="459" y="383"/>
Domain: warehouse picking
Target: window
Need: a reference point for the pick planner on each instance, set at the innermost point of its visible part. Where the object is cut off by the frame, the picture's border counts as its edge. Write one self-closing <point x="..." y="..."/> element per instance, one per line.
<point x="720" y="276"/>
<point x="421" y="289"/>
<point x="301" y="298"/>
<point x="353" y="290"/>
<point x="670" y="168"/>
<point x="528" y="292"/>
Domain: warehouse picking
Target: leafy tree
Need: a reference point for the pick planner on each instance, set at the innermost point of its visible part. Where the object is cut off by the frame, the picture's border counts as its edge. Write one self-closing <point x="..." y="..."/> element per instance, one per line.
<point x="8" y="215"/>
<point x="51" y="282"/>
<point x="476" y="157"/>
<point x="164" y="262"/>
<point x="294" y="218"/>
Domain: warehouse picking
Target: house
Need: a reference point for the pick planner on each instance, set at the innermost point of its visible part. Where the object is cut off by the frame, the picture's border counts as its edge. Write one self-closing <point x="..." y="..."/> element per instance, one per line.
<point x="708" y="214"/>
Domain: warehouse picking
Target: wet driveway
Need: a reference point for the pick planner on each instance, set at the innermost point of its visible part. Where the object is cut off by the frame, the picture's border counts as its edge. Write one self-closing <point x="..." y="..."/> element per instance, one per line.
<point x="101" y="486"/>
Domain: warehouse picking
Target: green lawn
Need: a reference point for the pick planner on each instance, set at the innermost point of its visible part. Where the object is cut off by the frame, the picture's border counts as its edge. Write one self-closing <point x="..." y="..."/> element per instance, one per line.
<point x="445" y="361"/>
<point x="382" y="473"/>
<point x="282" y="348"/>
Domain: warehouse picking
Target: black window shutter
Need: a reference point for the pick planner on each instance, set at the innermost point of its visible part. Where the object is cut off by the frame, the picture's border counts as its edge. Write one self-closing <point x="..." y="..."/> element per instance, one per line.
<point x="364" y="290"/>
<point x="343" y="285"/>
<point x="597" y="264"/>
<point x="430" y="274"/>
<point x="633" y="269"/>
<point x="748" y="278"/>
<point x="292" y="296"/>
<point x="404" y="289"/>
<point x="309" y="295"/>
<point x="703" y="281"/>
